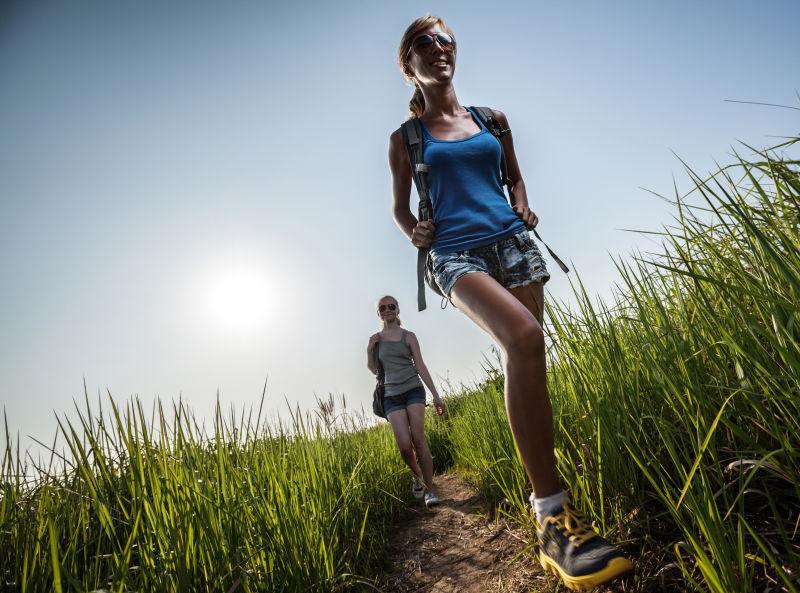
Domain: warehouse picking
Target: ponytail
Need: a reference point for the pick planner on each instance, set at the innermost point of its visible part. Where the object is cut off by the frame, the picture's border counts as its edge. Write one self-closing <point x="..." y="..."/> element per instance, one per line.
<point x="416" y="106"/>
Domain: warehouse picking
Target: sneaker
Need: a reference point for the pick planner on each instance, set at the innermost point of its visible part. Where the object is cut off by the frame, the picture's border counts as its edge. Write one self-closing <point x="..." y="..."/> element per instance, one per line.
<point x="431" y="500"/>
<point x="417" y="488"/>
<point x="571" y="550"/>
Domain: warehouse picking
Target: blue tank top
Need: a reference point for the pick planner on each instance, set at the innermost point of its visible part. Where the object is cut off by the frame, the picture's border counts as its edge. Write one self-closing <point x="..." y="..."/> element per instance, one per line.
<point x="469" y="205"/>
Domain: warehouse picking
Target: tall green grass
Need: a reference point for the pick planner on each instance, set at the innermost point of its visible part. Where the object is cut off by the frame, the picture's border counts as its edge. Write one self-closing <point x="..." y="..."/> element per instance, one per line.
<point x="678" y="404"/>
<point x="678" y="422"/>
<point x="154" y="502"/>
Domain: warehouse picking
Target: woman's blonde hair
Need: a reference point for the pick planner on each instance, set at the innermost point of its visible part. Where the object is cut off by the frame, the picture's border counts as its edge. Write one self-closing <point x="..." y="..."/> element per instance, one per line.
<point x="417" y="103"/>
<point x="388" y="296"/>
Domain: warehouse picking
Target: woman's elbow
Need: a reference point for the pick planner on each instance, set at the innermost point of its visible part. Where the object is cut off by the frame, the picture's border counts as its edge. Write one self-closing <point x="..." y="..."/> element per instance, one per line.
<point x="400" y="213"/>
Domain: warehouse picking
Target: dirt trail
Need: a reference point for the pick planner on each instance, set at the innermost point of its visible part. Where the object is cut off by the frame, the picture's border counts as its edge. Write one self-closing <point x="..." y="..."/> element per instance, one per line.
<point x="453" y="548"/>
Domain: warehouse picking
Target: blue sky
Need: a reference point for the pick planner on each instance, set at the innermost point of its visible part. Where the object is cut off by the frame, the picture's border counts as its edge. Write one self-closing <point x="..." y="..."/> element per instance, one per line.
<point x="195" y="196"/>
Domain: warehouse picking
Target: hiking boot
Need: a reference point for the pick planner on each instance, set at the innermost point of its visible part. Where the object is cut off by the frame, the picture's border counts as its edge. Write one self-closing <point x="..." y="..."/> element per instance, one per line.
<point x="431" y="500"/>
<point x="573" y="551"/>
<point x="417" y="488"/>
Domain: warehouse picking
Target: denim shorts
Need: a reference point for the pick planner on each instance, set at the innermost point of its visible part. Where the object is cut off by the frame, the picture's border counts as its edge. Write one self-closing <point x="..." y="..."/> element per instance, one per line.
<point x="393" y="403"/>
<point x="514" y="261"/>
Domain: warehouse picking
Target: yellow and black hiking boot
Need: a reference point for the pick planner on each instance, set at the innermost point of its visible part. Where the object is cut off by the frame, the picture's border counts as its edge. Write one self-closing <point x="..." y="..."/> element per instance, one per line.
<point x="573" y="551"/>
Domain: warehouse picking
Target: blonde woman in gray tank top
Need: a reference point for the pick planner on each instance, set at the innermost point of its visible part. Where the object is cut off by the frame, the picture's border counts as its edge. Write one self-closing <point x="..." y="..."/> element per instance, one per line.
<point x="404" y="402"/>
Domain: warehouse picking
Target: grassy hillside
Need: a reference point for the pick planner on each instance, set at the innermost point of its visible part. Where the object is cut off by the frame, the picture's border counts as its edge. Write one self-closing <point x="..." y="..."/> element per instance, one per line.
<point x="153" y="502"/>
<point x="677" y="409"/>
<point x="678" y="404"/>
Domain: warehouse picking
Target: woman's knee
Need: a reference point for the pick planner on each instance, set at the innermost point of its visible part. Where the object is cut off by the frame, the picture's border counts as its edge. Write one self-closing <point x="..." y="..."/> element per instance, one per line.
<point x="526" y="339"/>
<point x="418" y="440"/>
<point x="406" y="449"/>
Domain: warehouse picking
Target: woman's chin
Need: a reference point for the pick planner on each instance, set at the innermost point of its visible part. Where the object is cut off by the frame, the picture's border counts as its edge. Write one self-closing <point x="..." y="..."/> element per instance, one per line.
<point x="444" y="77"/>
<point x="439" y="77"/>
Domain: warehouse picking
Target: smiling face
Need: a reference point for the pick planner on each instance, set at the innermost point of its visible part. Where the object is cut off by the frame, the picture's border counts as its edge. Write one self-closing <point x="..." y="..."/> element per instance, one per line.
<point x="387" y="309"/>
<point x="432" y="62"/>
<point x="428" y="52"/>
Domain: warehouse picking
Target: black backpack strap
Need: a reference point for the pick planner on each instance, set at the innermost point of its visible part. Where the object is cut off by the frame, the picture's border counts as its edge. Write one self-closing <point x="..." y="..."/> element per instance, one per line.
<point x="412" y="137"/>
<point x="488" y="119"/>
<point x="376" y="359"/>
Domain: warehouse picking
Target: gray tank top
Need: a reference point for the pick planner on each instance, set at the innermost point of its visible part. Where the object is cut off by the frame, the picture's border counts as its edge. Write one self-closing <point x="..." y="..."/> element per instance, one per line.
<point x="401" y="375"/>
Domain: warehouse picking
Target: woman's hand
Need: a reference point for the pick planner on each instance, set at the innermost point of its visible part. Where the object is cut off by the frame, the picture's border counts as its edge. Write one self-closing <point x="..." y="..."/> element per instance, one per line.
<point x="422" y="234"/>
<point x="439" y="405"/>
<point x="527" y="216"/>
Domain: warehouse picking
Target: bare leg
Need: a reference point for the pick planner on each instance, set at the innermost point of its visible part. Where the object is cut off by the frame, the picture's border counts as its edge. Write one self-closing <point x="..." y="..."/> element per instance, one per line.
<point x="532" y="296"/>
<point x="416" y="416"/>
<point x="402" y="436"/>
<point x="516" y="329"/>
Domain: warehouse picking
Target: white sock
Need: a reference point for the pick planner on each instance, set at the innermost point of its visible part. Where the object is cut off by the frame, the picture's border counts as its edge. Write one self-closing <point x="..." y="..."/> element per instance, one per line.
<point x="549" y="505"/>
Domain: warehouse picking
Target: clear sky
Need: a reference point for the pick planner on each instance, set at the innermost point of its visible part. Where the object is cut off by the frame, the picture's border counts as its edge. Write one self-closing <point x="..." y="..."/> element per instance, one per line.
<point x="195" y="196"/>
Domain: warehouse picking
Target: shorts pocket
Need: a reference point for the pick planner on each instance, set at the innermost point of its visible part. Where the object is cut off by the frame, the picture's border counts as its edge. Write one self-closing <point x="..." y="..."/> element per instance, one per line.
<point x="524" y="240"/>
<point x="440" y="261"/>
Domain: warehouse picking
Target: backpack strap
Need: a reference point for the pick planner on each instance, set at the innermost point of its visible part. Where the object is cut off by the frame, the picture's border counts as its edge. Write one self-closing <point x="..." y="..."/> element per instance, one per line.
<point x="412" y="137"/>
<point x="490" y="123"/>
<point x="488" y="119"/>
<point x="376" y="359"/>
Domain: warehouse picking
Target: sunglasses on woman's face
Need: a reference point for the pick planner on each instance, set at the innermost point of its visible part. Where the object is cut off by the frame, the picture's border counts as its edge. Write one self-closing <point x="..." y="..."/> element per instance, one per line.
<point x="390" y="306"/>
<point x="423" y="43"/>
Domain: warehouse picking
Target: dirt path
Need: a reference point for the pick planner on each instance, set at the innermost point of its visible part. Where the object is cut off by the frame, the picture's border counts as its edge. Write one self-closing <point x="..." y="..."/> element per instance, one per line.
<point x="453" y="548"/>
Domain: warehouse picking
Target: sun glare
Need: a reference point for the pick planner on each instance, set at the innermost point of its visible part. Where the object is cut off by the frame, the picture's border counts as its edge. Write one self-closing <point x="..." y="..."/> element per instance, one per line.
<point x="240" y="299"/>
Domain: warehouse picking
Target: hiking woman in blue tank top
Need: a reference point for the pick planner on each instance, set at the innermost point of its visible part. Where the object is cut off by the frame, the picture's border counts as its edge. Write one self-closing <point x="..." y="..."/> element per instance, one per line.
<point x="485" y="261"/>
<point x="404" y="399"/>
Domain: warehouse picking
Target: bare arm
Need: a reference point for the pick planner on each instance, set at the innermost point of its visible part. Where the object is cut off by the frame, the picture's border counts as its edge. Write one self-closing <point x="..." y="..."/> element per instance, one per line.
<point x="419" y="233"/>
<point x="521" y="205"/>
<point x="373" y="339"/>
<point x="419" y="364"/>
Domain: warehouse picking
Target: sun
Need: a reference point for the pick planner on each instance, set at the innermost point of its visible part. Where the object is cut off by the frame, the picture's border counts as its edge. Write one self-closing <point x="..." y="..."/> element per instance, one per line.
<point x="240" y="298"/>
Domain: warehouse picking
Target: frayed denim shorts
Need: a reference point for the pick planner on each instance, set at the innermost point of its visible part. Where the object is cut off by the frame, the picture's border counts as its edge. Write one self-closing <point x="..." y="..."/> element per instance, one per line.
<point x="514" y="261"/>
<point x="392" y="403"/>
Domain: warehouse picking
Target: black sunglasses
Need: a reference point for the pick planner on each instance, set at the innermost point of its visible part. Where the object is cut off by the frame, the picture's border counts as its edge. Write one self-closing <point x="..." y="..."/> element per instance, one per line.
<point x="390" y="306"/>
<point x="424" y="42"/>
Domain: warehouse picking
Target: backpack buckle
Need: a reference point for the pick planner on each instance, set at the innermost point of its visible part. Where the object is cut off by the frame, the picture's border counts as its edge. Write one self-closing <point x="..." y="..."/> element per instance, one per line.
<point x="422" y="168"/>
<point x="499" y="130"/>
